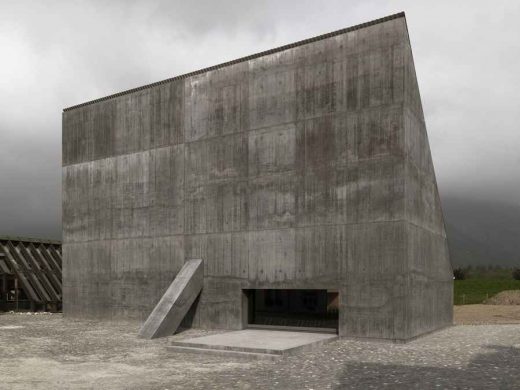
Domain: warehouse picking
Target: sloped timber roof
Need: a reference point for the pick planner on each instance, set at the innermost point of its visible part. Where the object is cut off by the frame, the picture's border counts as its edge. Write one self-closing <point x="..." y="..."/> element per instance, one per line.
<point x="36" y="264"/>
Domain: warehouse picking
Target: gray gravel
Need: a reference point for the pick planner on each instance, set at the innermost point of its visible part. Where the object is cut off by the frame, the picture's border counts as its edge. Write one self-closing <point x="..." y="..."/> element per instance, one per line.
<point x="47" y="351"/>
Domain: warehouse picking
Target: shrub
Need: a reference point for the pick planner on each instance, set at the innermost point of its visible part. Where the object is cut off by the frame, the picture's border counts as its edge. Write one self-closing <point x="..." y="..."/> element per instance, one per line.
<point x="459" y="274"/>
<point x="516" y="273"/>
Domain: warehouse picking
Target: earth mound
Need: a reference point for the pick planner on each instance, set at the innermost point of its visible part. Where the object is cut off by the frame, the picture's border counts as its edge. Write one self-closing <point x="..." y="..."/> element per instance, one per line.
<point x="509" y="297"/>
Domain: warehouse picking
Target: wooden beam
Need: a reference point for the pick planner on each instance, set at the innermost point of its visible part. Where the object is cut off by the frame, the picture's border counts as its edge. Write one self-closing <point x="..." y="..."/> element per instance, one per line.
<point x="41" y="272"/>
<point x="18" y="271"/>
<point x="30" y="273"/>
<point x="3" y="265"/>
<point x="53" y="275"/>
<point x="54" y="265"/>
<point x="56" y="254"/>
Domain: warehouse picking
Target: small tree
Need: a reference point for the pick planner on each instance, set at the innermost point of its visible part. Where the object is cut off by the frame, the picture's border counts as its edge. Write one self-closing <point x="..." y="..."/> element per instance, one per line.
<point x="459" y="273"/>
<point x="516" y="273"/>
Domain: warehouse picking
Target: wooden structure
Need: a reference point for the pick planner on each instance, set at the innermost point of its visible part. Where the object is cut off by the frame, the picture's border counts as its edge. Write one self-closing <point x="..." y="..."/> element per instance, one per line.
<point x="30" y="274"/>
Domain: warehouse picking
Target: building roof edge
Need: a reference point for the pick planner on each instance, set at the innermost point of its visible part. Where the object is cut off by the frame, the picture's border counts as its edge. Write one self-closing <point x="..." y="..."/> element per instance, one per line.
<point x="242" y="59"/>
<point x="29" y="239"/>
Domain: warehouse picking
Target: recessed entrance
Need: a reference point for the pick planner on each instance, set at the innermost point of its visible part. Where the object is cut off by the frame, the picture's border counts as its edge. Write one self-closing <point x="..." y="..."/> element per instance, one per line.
<point x="293" y="309"/>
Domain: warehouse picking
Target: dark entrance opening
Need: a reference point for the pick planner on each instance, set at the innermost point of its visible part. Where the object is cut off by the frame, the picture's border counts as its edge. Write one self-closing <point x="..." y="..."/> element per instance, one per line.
<point x="305" y="309"/>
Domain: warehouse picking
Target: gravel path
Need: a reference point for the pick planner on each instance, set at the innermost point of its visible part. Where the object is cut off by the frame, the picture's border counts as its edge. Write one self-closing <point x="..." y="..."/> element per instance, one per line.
<point x="46" y="351"/>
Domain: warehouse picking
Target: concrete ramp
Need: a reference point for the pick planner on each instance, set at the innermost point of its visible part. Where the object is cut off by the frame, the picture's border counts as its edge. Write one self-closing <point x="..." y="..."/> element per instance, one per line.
<point x="175" y="303"/>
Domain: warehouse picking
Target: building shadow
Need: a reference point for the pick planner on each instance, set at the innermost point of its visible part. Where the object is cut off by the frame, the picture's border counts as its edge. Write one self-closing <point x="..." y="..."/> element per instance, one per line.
<point x="497" y="368"/>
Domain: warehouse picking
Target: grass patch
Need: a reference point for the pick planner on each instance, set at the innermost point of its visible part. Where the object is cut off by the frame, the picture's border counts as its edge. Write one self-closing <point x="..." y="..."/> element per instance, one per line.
<point x="472" y="291"/>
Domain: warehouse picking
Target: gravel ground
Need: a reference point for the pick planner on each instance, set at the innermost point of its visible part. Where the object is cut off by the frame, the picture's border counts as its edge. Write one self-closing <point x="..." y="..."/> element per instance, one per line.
<point x="46" y="351"/>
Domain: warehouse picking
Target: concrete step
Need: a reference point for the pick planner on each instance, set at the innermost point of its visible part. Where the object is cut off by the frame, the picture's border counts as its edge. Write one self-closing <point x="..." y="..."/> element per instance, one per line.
<point x="256" y="342"/>
<point x="224" y="353"/>
<point x="264" y="351"/>
<point x="293" y="328"/>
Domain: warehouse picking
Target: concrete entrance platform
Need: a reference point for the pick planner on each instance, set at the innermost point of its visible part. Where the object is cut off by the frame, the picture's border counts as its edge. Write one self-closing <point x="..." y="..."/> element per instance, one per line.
<point x="254" y="343"/>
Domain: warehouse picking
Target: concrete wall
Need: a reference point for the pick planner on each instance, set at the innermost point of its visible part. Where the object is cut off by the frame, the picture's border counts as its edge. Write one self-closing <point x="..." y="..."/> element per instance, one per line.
<point x="303" y="168"/>
<point x="430" y="276"/>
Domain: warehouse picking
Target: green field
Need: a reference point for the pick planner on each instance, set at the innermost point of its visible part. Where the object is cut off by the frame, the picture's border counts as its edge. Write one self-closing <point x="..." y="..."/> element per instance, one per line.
<point x="476" y="290"/>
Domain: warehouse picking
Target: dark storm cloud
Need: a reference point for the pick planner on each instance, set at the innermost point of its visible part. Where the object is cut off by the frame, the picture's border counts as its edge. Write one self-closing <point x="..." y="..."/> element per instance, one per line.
<point x="57" y="54"/>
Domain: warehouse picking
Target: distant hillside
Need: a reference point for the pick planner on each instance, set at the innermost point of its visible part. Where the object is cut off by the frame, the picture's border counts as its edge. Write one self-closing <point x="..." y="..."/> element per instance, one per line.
<point x="482" y="233"/>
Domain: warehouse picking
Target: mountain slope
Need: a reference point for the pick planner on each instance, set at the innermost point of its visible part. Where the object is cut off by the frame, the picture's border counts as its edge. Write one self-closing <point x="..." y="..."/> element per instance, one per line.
<point x="481" y="232"/>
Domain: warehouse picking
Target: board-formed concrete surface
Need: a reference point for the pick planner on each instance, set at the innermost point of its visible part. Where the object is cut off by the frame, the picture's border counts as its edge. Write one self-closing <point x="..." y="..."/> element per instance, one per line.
<point x="304" y="167"/>
<point x="171" y="309"/>
<point x="255" y="341"/>
<point x="49" y="352"/>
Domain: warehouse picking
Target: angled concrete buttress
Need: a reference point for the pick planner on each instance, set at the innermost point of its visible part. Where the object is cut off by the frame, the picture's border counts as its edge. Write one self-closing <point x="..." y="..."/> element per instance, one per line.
<point x="175" y="303"/>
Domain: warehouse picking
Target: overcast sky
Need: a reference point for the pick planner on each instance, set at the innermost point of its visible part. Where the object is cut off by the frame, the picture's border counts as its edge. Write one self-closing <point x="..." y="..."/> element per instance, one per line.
<point x="54" y="54"/>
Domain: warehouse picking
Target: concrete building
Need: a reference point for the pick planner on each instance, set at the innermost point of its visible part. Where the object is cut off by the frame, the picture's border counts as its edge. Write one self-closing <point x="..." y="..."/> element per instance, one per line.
<point x="301" y="176"/>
